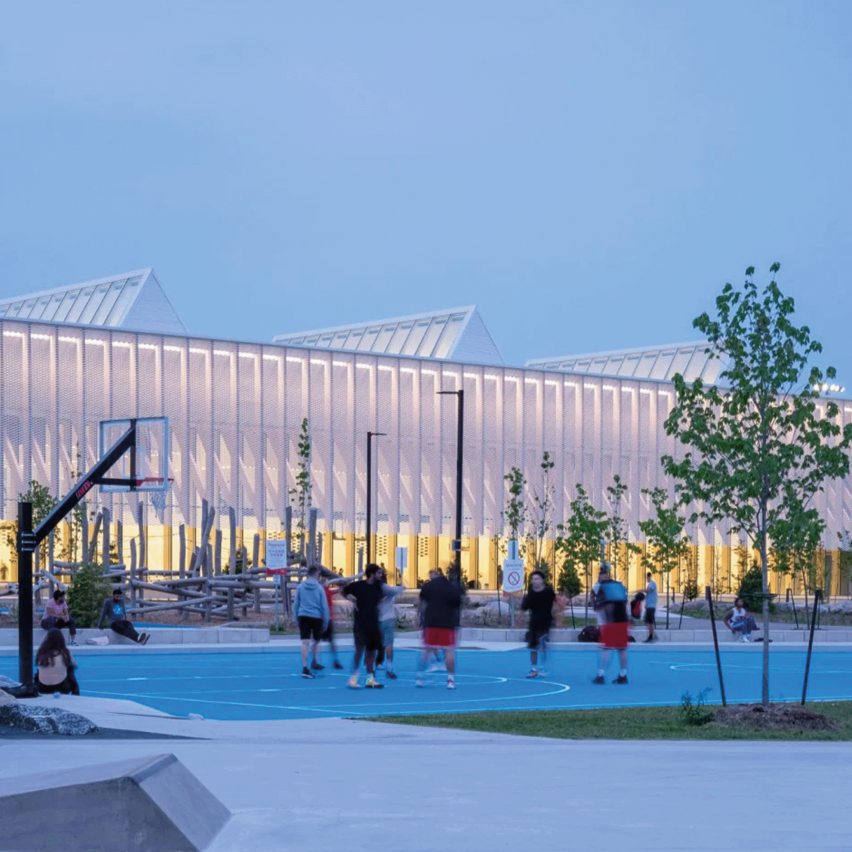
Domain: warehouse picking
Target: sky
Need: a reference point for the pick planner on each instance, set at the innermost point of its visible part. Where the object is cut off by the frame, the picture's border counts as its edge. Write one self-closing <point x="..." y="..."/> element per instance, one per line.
<point x="590" y="174"/>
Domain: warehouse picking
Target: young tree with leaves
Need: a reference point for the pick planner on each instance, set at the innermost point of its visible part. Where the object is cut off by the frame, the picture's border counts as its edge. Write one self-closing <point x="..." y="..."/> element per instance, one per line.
<point x="515" y="514"/>
<point x="540" y="514"/>
<point x="794" y="547"/>
<point x="302" y="491"/>
<point x="758" y="449"/>
<point x="667" y="543"/>
<point x="621" y="550"/>
<point x="579" y="539"/>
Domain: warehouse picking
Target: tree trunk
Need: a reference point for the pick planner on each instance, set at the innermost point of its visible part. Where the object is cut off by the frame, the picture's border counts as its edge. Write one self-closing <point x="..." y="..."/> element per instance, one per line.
<point x="765" y="566"/>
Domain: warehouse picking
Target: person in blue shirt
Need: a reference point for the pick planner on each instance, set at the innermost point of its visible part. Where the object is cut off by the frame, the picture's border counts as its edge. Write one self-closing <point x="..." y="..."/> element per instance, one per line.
<point x="114" y="611"/>
<point x="651" y="607"/>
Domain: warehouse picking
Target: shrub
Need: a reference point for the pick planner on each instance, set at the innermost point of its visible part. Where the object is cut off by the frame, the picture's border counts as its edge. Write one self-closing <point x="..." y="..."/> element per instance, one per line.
<point x="696" y="713"/>
<point x="87" y="593"/>
<point x="569" y="580"/>
<point x="690" y="590"/>
<point x="751" y="589"/>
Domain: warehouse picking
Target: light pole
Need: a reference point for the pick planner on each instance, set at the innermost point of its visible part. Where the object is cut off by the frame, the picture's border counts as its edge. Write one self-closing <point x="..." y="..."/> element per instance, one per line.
<point x="370" y="436"/>
<point x="459" y="473"/>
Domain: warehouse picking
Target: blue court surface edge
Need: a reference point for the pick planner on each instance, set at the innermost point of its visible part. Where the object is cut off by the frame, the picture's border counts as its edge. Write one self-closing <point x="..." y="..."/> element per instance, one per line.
<point x="260" y="686"/>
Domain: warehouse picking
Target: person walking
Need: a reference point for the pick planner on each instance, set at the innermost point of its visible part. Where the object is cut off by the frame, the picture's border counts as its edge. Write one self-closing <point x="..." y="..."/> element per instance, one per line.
<point x="310" y="608"/>
<point x="56" y="614"/>
<point x="366" y="594"/>
<point x="387" y="622"/>
<point x="440" y="601"/>
<point x="538" y="601"/>
<point x="611" y="606"/>
<point x="651" y="608"/>
<point x="113" y="610"/>
<point x="329" y="633"/>
<point x="55" y="666"/>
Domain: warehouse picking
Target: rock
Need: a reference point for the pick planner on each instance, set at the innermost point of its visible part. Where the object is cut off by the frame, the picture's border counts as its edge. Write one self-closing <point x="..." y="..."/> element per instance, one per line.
<point x="5" y="698"/>
<point x="45" y="720"/>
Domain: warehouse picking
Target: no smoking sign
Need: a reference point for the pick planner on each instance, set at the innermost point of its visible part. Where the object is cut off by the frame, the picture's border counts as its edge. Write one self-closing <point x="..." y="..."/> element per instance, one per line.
<point x="513" y="575"/>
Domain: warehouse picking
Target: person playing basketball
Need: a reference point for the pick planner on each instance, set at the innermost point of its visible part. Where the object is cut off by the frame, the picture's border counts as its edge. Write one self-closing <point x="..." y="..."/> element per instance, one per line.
<point x="366" y="594"/>
<point x="611" y="607"/>
<point x="538" y="601"/>
<point x="439" y="601"/>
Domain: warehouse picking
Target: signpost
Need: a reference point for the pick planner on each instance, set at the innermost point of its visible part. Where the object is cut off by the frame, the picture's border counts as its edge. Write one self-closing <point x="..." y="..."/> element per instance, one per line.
<point x="513" y="576"/>
<point x="277" y="557"/>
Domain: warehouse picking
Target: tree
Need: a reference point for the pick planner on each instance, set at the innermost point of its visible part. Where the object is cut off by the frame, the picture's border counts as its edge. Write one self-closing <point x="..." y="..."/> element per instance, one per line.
<point x="302" y="491"/>
<point x="43" y="503"/>
<point x="621" y="550"/>
<point x="794" y="547"/>
<point x="516" y="511"/>
<point x="540" y="514"/>
<point x="759" y="449"/>
<point x="579" y="539"/>
<point x="667" y="544"/>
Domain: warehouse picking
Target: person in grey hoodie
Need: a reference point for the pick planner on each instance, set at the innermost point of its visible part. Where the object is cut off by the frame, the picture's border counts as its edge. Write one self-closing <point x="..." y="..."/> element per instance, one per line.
<point x="310" y="609"/>
<point x="387" y="622"/>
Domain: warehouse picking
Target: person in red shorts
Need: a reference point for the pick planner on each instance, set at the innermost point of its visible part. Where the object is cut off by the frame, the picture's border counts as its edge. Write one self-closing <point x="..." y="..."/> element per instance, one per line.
<point x="614" y="620"/>
<point x="440" y="600"/>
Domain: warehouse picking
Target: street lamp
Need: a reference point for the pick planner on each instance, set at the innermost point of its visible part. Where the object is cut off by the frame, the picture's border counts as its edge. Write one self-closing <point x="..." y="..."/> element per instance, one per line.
<point x="370" y="436"/>
<point x="456" y="570"/>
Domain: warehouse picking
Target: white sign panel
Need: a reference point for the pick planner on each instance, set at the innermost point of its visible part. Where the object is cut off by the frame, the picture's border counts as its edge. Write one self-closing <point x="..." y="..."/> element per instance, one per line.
<point x="276" y="555"/>
<point x="513" y="576"/>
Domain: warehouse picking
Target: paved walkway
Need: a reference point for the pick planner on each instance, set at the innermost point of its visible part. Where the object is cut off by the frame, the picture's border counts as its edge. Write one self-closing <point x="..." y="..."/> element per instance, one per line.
<point x="334" y="785"/>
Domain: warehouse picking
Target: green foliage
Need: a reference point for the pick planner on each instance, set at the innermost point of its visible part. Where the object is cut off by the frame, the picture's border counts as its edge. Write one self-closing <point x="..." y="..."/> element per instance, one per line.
<point x="302" y="491"/>
<point x="664" y="533"/>
<point x="579" y="539"/>
<point x="540" y="513"/>
<point x="751" y="589"/>
<point x="86" y="594"/>
<point x="757" y="451"/>
<point x="569" y="580"/>
<point x="696" y="713"/>
<point x="621" y="551"/>
<point x="516" y="511"/>
<point x="43" y="504"/>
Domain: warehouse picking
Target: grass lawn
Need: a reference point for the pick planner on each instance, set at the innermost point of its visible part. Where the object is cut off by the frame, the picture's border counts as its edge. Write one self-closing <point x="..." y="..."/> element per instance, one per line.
<point x="633" y="723"/>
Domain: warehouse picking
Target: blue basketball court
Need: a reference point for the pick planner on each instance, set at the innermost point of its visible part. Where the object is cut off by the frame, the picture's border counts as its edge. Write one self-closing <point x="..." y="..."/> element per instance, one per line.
<point x="264" y="685"/>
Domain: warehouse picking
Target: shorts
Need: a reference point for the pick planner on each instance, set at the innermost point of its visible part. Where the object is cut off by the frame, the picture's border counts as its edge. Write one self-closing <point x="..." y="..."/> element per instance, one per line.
<point x="369" y="638"/>
<point x="535" y="638"/>
<point x="650" y="615"/>
<point x="615" y="635"/>
<point x="386" y="628"/>
<point x="439" y="637"/>
<point x="328" y="632"/>
<point x="310" y="628"/>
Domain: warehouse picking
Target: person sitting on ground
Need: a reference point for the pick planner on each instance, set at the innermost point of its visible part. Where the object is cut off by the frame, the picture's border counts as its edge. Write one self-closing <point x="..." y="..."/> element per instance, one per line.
<point x="55" y="666"/>
<point x="114" y="611"/>
<point x="739" y="622"/>
<point x="310" y="608"/>
<point x="56" y="614"/>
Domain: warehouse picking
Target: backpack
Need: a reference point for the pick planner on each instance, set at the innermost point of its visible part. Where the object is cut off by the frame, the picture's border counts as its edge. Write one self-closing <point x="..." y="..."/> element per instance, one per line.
<point x="590" y="633"/>
<point x="636" y="605"/>
<point x="612" y="592"/>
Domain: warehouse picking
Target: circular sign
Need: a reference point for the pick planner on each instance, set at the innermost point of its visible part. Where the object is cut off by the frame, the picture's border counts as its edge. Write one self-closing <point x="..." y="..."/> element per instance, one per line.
<point x="514" y="579"/>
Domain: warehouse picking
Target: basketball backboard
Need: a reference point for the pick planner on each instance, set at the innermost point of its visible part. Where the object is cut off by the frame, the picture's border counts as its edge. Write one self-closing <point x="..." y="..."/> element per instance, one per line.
<point x="146" y="464"/>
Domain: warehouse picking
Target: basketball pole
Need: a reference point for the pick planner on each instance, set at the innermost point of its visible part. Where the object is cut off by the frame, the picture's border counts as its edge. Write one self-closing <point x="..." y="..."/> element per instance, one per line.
<point x="28" y="540"/>
<point x="457" y="542"/>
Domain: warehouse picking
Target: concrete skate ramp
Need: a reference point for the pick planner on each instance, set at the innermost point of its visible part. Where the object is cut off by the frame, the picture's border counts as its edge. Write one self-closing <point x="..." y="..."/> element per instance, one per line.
<point x="152" y="804"/>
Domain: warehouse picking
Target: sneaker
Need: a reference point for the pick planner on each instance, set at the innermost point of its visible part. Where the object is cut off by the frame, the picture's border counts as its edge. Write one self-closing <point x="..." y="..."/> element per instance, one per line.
<point x="533" y="673"/>
<point x="143" y="639"/>
<point x="392" y="675"/>
<point x="621" y="679"/>
<point x="372" y="683"/>
<point x="353" y="682"/>
<point x="451" y="684"/>
<point x="317" y="667"/>
<point x="338" y="665"/>
<point x="420" y="682"/>
<point x="649" y="639"/>
<point x="542" y="673"/>
<point x="306" y="672"/>
<point x="72" y="642"/>
<point x="599" y="679"/>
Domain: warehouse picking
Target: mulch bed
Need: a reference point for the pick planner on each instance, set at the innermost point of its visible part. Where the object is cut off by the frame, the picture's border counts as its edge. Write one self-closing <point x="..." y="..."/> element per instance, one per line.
<point x="776" y="717"/>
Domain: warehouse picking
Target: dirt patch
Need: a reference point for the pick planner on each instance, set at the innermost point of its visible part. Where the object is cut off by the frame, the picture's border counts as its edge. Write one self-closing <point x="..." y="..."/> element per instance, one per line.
<point x="776" y="717"/>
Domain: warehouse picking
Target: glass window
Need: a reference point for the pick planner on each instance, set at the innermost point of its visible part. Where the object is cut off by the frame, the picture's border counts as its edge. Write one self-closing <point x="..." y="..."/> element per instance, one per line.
<point x="353" y="339"/>
<point x="26" y="310"/>
<point x="646" y="365"/>
<point x="629" y="365"/>
<point x="50" y="310"/>
<point x="340" y="339"/>
<point x="325" y="340"/>
<point x="369" y="338"/>
<point x="427" y="345"/>
<point x="398" y="339"/>
<point x="449" y="336"/>
<point x="679" y="362"/>
<point x="38" y="310"/>
<point x="4" y="310"/>
<point x="384" y="338"/>
<point x="567" y="365"/>
<point x="661" y="367"/>
<point x="106" y="305"/>
<point x="64" y="309"/>
<point x="414" y="337"/>
<point x="310" y="341"/>
<point x="598" y="365"/>
<point x="15" y="309"/>
<point x="91" y="308"/>
<point x="612" y="365"/>
<point x="583" y="366"/>
<point x="83" y="297"/>
<point x="122" y="304"/>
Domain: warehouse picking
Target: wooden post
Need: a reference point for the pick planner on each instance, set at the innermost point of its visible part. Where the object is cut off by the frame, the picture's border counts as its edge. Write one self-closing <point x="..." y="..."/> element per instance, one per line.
<point x="132" y="576"/>
<point x="93" y="544"/>
<point x="208" y="560"/>
<point x="119" y="541"/>
<point x="255" y="551"/>
<point x="106" y="541"/>
<point x="182" y="551"/>
<point x="232" y="541"/>
<point x="217" y="563"/>
<point x="311" y="551"/>
<point x="84" y="532"/>
<point x="230" y="603"/>
<point x="208" y="604"/>
<point x="140" y="523"/>
<point x="288" y="529"/>
<point x="205" y="509"/>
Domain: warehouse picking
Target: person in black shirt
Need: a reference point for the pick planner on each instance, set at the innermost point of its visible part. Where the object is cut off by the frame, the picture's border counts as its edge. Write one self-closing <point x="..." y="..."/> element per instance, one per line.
<point x="538" y="601"/>
<point x="440" y="601"/>
<point x="366" y="595"/>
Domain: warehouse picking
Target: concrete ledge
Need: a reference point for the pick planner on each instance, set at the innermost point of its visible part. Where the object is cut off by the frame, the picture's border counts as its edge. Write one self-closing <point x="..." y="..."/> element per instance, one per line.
<point x="159" y="636"/>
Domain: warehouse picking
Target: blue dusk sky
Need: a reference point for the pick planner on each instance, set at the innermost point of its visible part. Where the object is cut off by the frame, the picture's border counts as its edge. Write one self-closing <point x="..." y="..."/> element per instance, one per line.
<point x="588" y="173"/>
